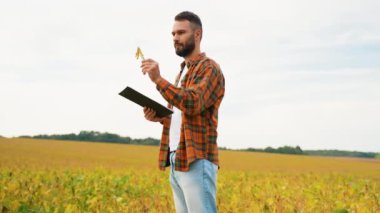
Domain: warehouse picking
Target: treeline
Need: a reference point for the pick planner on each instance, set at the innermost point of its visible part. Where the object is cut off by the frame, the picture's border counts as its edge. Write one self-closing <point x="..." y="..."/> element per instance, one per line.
<point x="94" y="136"/>
<point x="340" y="153"/>
<point x="298" y="151"/>
<point x="282" y="150"/>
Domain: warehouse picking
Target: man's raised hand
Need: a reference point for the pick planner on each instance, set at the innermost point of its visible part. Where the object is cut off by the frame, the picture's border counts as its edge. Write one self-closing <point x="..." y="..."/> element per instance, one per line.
<point x="151" y="67"/>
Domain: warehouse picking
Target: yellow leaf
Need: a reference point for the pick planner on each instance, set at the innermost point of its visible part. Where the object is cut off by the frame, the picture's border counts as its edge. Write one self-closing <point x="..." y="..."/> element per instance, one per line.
<point x="139" y="53"/>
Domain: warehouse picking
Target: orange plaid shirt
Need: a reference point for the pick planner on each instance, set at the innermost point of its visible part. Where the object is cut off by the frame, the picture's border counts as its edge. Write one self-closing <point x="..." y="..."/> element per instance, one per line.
<point x="198" y="98"/>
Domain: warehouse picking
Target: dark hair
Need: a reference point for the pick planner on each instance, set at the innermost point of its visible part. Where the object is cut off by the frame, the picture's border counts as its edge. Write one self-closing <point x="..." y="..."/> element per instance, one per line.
<point x="189" y="16"/>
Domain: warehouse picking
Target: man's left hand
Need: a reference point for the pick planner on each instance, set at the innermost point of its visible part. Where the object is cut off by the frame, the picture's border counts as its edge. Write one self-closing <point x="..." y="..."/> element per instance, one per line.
<point x="151" y="67"/>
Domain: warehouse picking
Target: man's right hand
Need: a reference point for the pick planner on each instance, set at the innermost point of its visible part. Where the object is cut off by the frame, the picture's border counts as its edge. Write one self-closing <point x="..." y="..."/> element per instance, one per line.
<point x="150" y="115"/>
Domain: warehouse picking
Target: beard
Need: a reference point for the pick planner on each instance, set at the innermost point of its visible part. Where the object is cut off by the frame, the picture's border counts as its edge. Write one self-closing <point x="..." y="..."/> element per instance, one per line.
<point x="186" y="48"/>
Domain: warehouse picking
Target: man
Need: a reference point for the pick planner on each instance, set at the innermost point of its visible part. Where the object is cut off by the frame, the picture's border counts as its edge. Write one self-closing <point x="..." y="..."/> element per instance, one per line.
<point x="189" y="137"/>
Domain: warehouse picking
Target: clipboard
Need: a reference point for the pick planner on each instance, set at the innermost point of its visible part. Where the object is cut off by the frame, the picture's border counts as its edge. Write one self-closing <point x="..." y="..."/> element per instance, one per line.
<point x="144" y="101"/>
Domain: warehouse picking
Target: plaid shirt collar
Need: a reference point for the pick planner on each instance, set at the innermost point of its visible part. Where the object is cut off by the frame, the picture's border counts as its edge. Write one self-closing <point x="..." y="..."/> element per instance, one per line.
<point x="193" y="61"/>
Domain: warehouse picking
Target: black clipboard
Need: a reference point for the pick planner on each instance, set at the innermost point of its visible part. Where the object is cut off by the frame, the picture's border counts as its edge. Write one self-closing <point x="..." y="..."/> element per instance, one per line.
<point x="144" y="101"/>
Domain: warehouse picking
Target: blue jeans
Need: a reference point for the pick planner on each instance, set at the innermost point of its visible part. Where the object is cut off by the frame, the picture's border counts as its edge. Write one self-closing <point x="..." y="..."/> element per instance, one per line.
<point x="195" y="190"/>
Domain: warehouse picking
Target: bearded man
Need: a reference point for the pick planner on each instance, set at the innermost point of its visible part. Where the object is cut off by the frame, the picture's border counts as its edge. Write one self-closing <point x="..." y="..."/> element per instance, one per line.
<point x="189" y="137"/>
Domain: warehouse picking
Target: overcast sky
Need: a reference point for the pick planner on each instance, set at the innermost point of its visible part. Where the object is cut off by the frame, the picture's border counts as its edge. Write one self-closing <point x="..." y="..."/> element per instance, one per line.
<point x="301" y="73"/>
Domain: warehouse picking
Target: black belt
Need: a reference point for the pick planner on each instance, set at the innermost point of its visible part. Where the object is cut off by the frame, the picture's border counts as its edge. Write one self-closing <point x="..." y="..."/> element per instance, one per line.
<point x="168" y="158"/>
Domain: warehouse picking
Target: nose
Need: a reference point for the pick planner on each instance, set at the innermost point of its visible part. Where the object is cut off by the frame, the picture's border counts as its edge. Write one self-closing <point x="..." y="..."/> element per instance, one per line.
<point x="175" y="37"/>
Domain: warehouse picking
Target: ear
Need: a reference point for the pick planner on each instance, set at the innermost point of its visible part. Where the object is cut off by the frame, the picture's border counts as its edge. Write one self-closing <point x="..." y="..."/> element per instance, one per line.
<point x="198" y="34"/>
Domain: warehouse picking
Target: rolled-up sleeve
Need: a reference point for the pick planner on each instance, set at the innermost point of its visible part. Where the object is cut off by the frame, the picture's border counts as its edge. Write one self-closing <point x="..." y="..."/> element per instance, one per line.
<point x="203" y="91"/>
